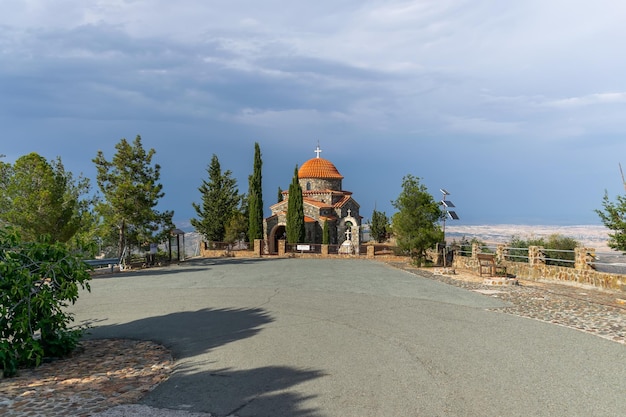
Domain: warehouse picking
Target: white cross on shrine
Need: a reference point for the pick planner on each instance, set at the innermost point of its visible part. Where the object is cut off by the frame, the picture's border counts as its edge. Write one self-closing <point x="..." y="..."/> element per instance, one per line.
<point x="349" y="213"/>
<point x="318" y="150"/>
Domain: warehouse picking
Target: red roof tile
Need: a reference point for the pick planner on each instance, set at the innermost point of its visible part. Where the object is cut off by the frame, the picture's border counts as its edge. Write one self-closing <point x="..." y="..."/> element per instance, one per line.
<point x="319" y="168"/>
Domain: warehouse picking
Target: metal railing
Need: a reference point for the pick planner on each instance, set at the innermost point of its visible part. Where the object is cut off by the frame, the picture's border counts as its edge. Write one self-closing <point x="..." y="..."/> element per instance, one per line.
<point x="559" y="257"/>
<point x="609" y="262"/>
<point x="228" y="246"/>
<point x="316" y="248"/>
<point x="303" y="248"/>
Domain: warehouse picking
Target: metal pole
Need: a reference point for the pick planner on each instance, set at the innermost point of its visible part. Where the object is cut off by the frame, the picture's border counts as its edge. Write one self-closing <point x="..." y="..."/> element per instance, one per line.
<point x="444" y="230"/>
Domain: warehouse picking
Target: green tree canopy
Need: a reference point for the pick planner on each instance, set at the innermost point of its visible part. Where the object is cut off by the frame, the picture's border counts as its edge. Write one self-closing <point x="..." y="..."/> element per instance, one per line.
<point x="416" y="224"/>
<point x="131" y="189"/>
<point x="255" y="198"/>
<point x="295" y="212"/>
<point x="613" y="216"/>
<point x="237" y="228"/>
<point x="41" y="198"/>
<point x="220" y="199"/>
<point x="379" y="226"/>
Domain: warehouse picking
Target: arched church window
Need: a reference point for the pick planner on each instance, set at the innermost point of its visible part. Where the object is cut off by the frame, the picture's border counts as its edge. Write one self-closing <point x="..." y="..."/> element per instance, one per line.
<point x="308" y="186"/>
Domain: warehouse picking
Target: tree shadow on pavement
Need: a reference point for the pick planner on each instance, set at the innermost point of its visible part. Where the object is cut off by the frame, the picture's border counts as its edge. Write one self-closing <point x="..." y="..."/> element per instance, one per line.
<point x="261" y="392"/>
<point x="190" y="333"/>
<point x="194" y="386"/>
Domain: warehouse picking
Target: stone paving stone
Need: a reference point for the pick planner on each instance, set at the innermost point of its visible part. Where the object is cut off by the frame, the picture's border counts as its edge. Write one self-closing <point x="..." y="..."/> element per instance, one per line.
<point x="103" y="374"/>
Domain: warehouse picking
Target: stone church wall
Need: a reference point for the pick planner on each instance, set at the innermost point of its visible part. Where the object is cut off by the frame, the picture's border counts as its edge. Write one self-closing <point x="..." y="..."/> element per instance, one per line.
<point x="320" y="184"/>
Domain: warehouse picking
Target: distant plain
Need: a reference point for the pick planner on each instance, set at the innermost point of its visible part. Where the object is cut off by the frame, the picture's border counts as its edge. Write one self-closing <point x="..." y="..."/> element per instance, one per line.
<point x="591" y="236"/>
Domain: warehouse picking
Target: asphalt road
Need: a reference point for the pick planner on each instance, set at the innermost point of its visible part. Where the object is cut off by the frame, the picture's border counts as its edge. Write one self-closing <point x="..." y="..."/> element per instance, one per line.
<point x="317" y="338"/>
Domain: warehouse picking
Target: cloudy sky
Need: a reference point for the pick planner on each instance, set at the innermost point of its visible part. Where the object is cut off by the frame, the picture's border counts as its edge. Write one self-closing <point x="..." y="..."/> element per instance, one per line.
<point x="518" y="109"/>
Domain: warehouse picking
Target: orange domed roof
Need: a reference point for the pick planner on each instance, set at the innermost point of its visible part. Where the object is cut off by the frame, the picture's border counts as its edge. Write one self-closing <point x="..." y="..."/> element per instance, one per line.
<point x="319" y="168"/>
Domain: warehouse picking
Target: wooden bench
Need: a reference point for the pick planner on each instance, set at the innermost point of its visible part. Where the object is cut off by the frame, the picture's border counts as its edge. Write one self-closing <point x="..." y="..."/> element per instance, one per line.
<point x="487" y="264"/>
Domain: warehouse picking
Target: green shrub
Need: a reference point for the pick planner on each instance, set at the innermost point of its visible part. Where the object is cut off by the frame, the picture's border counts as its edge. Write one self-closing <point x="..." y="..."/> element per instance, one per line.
<point x="37" y="281"/>
<point x="556" y="242"/>
<point x="464" y="246"/>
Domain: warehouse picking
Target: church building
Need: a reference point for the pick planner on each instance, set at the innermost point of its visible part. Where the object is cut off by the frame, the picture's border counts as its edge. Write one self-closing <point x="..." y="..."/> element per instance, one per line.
<point x="324" y="200"/>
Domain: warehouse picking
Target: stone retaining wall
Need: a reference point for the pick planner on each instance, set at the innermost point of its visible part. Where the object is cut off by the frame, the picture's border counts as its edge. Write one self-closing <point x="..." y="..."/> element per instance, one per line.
<point x="537" y="270"/>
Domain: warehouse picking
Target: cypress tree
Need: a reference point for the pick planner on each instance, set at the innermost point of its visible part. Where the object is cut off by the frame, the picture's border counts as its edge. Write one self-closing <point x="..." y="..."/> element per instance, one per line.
<point x="295" y="212"/>
<point x="325" y="234"/>
<point x="255" y="198"/>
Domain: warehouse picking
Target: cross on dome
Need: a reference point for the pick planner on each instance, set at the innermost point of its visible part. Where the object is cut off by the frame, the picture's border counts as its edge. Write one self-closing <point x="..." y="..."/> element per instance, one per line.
<point x="318" y="150"/>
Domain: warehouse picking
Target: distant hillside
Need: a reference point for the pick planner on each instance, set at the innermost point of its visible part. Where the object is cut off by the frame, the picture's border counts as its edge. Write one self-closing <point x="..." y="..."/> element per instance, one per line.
<point x="591" y="236"/>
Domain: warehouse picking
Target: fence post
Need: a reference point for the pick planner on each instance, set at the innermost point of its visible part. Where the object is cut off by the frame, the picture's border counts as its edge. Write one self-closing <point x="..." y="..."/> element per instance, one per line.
<point x="370" y="251"/>
<point x="258" y="247"/>
<point x="281" y="247"/>
<point x="475" y="250"/>
<point x="536" y="256"/>
<point x="501" y="252"/>
<point x="325" y="250"/>
<point x="583" y="257"/>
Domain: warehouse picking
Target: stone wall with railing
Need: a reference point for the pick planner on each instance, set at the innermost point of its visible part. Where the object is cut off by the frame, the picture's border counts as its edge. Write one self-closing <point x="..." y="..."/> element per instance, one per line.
<point x="305" y="250"/>
<point x="538" y="268"/>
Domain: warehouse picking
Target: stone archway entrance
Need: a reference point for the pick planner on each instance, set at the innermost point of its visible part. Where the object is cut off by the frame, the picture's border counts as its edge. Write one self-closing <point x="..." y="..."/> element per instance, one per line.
<point x="278" y="232"/>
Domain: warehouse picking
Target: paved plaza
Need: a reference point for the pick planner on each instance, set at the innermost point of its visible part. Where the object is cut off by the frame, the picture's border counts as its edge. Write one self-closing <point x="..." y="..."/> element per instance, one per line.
<point x="298" y="337"/>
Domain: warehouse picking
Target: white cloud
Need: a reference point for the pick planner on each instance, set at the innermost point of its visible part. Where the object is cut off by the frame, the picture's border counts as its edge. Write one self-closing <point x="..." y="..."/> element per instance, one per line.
<point x="589" y="100"/>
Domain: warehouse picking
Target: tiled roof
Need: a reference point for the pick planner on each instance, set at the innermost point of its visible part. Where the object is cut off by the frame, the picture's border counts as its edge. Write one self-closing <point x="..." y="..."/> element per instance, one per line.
<point x="316" y="203"/>
<point x="343" y="201"/>
<point x="319" y="168"/>
<point x="327" y="191"/>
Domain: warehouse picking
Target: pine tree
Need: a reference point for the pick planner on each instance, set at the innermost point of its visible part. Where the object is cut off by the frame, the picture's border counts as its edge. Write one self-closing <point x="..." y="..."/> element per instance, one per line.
<point x="235" y="230"/>
<point x="379" y="226"/>
<point x="416" y="224"/>
<point x="614" y="218"/>
<point x="131" y="189"/>
<point x="220" y="199"/>
<point x="255" y="198"/>
<point x="295" y="212"/>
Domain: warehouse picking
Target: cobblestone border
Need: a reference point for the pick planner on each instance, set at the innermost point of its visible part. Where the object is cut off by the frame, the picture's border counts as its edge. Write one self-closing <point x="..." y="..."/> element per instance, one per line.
<point x="102" y="374"/>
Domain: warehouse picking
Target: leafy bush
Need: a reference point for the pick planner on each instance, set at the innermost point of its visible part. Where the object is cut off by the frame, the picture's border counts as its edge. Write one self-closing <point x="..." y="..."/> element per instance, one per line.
<point x="464" y="246"/>
<point x="37" y="281"/>
<point x="552" y="245"/>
